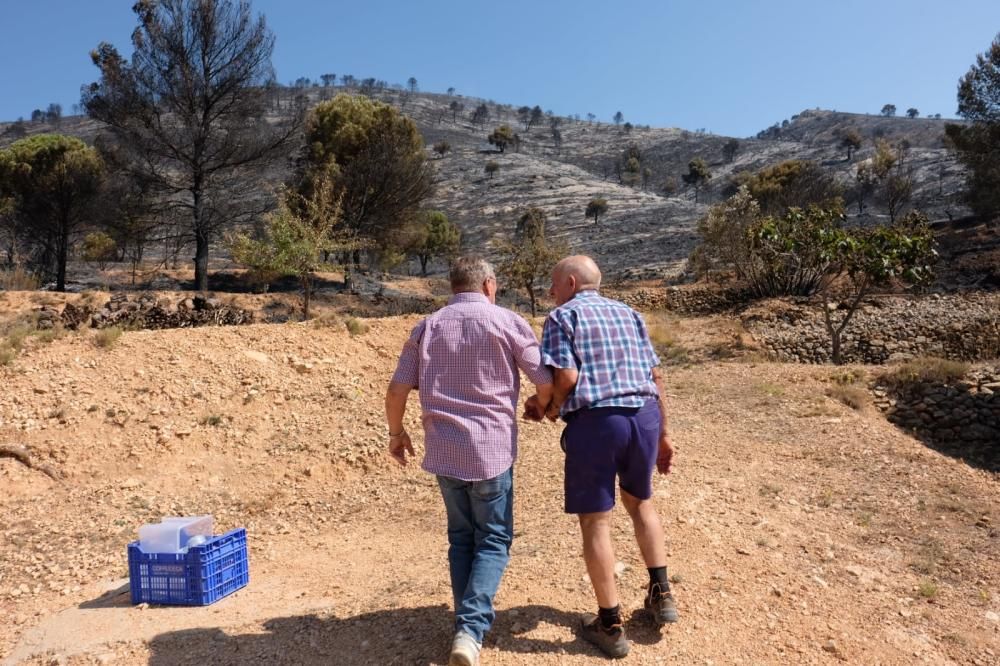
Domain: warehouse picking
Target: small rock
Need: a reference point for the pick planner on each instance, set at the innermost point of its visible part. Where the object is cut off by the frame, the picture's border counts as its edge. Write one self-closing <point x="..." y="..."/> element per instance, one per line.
<point x="992" y="617"/>
<point x="831" y="646"/>
<point x="620" y="568"/>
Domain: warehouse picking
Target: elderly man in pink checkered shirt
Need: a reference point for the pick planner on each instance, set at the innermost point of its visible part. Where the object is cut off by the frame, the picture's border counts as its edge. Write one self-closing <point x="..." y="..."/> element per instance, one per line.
<point x="464" y="360"/>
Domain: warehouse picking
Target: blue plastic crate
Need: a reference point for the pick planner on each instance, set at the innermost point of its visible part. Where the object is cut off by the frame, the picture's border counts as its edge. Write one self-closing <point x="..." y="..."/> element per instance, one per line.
<point x="199" y="577"/>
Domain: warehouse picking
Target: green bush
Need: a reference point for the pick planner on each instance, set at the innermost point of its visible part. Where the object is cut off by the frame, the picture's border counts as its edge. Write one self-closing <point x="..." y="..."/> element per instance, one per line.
<point x="99" y="248"/>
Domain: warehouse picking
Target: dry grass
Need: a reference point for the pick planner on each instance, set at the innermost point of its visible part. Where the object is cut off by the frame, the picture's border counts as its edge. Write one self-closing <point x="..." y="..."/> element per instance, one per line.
<point x="213" y="420"/>
<point x="18" y="279"/>
<point x="327" y="320"/>
<point x="928" y="589"/>
<point x="356" y="326"/>
<point x="106" y="338"/>
<point x="854" y="397"/>
<point x="7" y="355"/>
<point x="924" y="370"/>
<point x="50" y="334"/>
<point x="666" y="343"/>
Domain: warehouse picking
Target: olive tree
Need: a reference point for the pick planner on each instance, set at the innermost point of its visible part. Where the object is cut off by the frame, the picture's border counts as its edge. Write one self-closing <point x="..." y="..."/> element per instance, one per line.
<point x="529" y="256"/>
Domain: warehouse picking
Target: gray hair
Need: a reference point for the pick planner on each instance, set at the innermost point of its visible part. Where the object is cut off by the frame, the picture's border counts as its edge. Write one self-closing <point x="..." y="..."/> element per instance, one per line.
<point x="469" y="273"/>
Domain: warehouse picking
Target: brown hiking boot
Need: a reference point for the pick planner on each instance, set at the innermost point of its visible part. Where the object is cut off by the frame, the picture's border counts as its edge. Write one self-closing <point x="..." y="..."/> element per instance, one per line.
<point x="611" y="642"/>
<point x="660" y="603"/>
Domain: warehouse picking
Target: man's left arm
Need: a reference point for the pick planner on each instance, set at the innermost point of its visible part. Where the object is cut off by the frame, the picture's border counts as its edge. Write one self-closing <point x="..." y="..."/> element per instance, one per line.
<point x="557" y="353"/>
<point x="665" y="455"/>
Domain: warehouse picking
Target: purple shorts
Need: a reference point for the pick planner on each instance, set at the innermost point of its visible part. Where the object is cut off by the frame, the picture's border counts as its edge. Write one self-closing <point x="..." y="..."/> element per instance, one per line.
<point x="606" y="442"/>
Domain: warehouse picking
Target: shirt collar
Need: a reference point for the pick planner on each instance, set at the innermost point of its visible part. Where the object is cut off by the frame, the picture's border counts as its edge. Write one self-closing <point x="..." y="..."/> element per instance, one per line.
<point x="468" y="297"/>
<point x="586" y="293"/>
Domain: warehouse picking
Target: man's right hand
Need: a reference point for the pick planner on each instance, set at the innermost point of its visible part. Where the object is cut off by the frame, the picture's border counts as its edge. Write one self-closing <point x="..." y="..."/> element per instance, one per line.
<point x="665" y="456"/>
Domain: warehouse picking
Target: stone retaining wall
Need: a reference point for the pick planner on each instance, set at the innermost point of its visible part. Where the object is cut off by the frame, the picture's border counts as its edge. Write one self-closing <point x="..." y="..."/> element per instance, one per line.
<point x="889" y="328"/>
<point x="964" y="416"/>
<point x="695" y="300"/>
<point x="145" y="312"/>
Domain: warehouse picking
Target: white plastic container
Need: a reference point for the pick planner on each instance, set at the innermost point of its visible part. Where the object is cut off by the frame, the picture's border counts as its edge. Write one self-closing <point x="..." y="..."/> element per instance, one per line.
<point x="171" y="535"/>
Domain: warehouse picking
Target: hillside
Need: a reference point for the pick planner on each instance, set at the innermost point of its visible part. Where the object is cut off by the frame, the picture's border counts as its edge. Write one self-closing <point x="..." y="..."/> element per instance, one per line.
<point x="645" y="233"/>
<point x="799" y="530"/>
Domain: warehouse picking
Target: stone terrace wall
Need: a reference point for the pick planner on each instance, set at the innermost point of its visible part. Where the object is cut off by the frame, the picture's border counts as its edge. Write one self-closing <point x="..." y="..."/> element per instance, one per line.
<point x="145" y="312"/>
<point x="685" y="299"/>
<point x="960" y="327"/>
<point x="963" y="415"/>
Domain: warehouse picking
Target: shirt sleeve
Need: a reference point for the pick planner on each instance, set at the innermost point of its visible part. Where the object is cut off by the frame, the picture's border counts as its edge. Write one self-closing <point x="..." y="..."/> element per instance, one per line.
<point x="557" y="344"/>
<point x="527" y="354"/>
<point x="408" y="368"/>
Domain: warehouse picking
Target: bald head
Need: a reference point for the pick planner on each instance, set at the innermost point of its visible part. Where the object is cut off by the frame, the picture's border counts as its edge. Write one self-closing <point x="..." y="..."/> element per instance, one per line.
<point x="581" y="267"/>
<point x="573" y="275"/>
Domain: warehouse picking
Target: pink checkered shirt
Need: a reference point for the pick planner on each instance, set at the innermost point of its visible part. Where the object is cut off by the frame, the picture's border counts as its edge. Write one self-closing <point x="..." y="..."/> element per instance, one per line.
<point x="464" y="360"/>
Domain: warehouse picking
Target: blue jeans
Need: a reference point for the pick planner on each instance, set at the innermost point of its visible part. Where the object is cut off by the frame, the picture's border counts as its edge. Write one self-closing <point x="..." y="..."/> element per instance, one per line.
<point x="480" y="531"/>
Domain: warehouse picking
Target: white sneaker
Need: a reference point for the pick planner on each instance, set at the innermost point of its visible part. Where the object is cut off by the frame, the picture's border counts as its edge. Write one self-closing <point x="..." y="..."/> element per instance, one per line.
<point x="464" y="650"/>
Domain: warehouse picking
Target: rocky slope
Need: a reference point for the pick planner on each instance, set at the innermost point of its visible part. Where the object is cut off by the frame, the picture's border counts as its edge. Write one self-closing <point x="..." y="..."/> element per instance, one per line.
<point x="646" y="231"/>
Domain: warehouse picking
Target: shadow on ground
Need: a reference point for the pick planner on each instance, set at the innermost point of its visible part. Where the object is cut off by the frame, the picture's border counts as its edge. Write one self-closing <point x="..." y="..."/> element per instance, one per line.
<point x="981" y="455"/>
<point x="119" y="597"/>
<point x="413" y="636"/>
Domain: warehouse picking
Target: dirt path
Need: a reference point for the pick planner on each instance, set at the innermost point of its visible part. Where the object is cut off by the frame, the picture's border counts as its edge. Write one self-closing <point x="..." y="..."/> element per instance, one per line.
<point x="799" y="531"/>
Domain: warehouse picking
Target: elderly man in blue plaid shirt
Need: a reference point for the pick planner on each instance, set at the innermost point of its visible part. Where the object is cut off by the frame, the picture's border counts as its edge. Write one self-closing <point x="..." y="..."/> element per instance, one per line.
<point x="609" y="392"/>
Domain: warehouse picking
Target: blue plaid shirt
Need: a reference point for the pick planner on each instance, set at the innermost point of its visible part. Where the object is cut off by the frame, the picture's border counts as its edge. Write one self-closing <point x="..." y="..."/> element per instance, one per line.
<point x="606" y="342"/>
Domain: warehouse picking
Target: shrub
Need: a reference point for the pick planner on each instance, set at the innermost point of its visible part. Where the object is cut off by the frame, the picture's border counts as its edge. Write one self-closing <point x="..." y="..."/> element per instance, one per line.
<point x="107" y="337"/>
<point x="213" y="420"/>
<point x="99" y="248"/>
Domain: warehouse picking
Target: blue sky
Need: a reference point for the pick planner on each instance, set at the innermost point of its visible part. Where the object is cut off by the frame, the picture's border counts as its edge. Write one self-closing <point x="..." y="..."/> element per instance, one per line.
<point x="733" y="67"/>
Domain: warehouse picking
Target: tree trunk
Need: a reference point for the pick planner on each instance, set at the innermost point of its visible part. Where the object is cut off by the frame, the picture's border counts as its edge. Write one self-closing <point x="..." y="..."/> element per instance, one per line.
<point x="306" y="295"/>
<point x="835" y="339"/>
<point x="201" y="261"/>
<point x="423" y="264"/>
<point x="62" y="255"/>
<point x="531" y="297"/>
<point x="201" y="240"/>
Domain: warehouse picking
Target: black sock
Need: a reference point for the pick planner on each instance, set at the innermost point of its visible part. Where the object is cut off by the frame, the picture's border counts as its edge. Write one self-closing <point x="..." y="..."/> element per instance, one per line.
<point x="658" y="576"/>
<point x="610" y="616"/>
